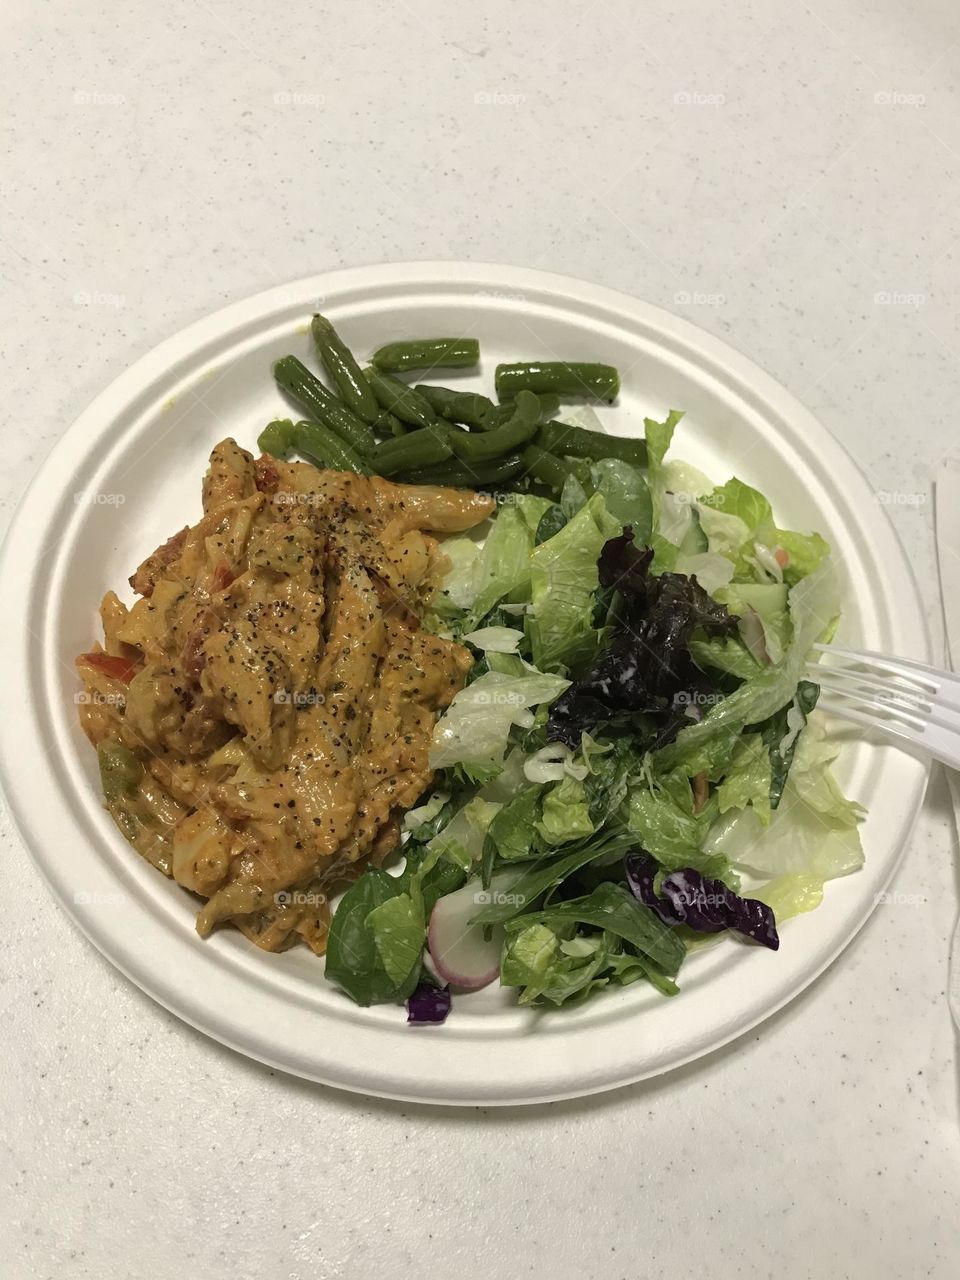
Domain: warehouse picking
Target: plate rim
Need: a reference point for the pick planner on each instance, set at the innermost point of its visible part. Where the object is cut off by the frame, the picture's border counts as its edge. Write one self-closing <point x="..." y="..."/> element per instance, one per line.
<point x="254" y="312"/>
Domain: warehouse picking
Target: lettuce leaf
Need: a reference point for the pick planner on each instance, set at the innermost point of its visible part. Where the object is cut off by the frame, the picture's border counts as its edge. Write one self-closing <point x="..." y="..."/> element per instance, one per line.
<point x="813" y="780"/>
<point x="458" y="587"/>
<point x="461" y="840"/>
<point x="660" y="815"/>
<point x="533" y="878"/>
<point x="563" y="578"/>
<point x="769" y="601"/>
<point x="781" y="734"/>
<point x="645" y="665"/>
<point x="710" y="569"/>
<point x="812" y="833"/>
<point x="791" y="895"/>
<point x="798" y="841"/>
<point x="659" y="436"/>
<point x="380" y="926"/>
<point x="806" y="552"/>
<point x="475" y="727"/>
<point x="726" y="533"/>
<point x="531" y="506"/>
<point x="724" y="653"/>
<point x="512" y="830"/>
<point x="749" y="778"/>
<point x="813" y="604"/>
<point x="613" y="908"/>
<point x="399" y="930"/>
<point x="353" y="959"/>
<point x="503" y="566"/>
<point x="566" y="814"/>
<point x="551" y="966"/>
<point x="494" y="639"/>
<point x="738" y="499"/>
<point x="626" y="495"/>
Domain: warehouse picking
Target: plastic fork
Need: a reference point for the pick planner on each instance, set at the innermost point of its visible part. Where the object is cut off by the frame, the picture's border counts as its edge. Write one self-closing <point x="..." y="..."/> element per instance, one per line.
<point x="895" y="696"/>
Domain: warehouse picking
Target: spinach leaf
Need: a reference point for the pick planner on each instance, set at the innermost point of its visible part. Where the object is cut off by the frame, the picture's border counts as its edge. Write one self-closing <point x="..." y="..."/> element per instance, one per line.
<point x="512" y="830"/>
<point x="353" y="961"/>
<point x="399" y="930"/>
<point x="626" y="493"/>
<point x="532" y="880"/>
<point x="612" y="907"/>
<point x="380" y="927"/>
<point x="781" y="737"/>
<point x="554" y="964"/>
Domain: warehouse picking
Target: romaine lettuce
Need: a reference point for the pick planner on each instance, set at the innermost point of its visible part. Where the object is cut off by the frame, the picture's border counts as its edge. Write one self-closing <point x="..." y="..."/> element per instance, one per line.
<point x="563" y="578"/>
<point x="626" y="494"/>
<point x="475" y="728"/>
<point x="565" y="814"/>
<point x="813" y="604"/>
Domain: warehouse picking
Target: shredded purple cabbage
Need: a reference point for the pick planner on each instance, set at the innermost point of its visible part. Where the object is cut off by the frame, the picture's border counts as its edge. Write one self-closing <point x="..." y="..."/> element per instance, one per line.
<point x="428" y="1004"/>
<point x="708" y="906"/>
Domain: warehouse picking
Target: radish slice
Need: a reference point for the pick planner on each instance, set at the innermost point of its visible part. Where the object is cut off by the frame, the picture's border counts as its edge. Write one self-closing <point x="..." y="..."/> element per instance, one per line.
<point x="432" y="969"/>
<point x="460" y="952"/>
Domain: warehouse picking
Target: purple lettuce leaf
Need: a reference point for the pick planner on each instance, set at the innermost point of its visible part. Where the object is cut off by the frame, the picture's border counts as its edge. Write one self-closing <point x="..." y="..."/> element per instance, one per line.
<point x="707" y="906"/>
<point x="428" y="1003"/>
<point x="646" y="667"/>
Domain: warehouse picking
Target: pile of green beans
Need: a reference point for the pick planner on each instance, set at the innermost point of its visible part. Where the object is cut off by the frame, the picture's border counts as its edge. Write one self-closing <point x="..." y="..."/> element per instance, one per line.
<point x="371" y="422"/>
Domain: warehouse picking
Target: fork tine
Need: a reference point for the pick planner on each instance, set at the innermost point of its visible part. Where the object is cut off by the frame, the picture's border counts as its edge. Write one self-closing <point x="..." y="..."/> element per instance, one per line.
<point x="941" y="743"/>
<point x="885" y="692"/>
<point x="941" y="689"/>
<point x="883" y="712"/>
<point x="887" y="728"/>
<point x="899" y="698"/>
<point x="904" y="668"/>
<point x="880" y="711"/>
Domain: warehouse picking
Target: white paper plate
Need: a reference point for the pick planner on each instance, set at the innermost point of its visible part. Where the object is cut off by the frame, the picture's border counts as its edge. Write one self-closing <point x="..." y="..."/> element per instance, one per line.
<point x="127" y="474"/>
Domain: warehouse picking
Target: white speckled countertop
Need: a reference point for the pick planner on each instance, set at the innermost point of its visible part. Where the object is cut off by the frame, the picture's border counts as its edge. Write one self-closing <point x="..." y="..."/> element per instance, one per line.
<point x="785" y="176"/>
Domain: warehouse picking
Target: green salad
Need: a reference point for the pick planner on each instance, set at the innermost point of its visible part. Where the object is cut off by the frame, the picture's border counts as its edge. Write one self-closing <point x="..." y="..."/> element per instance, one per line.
<point x="634" y="764"/>
<point x="631" y="765"/>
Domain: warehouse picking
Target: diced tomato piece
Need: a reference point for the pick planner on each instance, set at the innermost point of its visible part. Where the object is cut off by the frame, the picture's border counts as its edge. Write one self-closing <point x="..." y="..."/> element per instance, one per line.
<point x="116" y="668"/>
<point x="782" y="556"/>
<point x="266" y="475"/>
<point x="222" y="577"/>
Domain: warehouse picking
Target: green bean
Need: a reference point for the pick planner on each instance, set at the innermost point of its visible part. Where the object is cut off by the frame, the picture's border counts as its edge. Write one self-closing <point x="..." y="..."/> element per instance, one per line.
<point x="498" y="415"/>
<point x="549" y="405"/>
<point x="591" y="381"/>
<point x="406" y="453"/>
<point x="343" y="370"/>
<point x="403" y="401"/>
<point x="388" y="426"/>
<point x="466" y="475"/>
<point x="564" y="440"/>
<point x="277" y="438"/>
<point x="487" y="445"/>
<point x="325" y="449"/>
<point x="120" y="770"/>
<point x="322" y="405"/>
<point x="456" y="406"/>
<point x="427" y="353"/>
<point x="545" y="467"/>
<point x="501" y="413"/>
